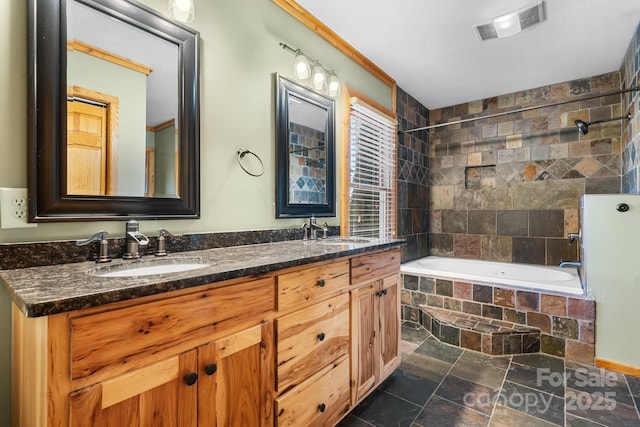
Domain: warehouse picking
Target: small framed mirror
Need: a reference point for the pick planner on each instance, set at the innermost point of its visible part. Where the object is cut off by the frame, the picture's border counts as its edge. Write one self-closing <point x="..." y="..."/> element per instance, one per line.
<point x="113" y="112"/>
<point x="305" y="152"/>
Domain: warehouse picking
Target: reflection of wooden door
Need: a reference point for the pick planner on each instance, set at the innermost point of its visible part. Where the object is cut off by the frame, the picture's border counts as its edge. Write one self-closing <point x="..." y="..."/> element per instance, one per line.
<point x="150" y="187"/>
<point x="86" y="148"/>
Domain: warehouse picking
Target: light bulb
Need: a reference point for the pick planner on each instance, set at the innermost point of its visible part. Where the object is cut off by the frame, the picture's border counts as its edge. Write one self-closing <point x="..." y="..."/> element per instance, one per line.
<point x="182" y="10"/>
<point x="318" y="77"/>
<point x="333" y="87"/>
<point x="301" y="67"/>
<point x="183" y="5"/>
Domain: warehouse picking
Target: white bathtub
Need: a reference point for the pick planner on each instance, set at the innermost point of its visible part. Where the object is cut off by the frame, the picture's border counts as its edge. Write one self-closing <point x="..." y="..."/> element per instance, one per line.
<point x="527" y="276"/>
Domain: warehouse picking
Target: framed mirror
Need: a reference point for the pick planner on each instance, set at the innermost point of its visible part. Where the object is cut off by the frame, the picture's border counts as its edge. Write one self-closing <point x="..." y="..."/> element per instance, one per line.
<point x="305" y="152"/>
<point x="114" y="127"/>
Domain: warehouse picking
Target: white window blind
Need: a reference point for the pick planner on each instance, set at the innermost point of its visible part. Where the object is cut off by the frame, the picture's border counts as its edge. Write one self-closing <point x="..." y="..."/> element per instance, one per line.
<point x="372" y="172"/>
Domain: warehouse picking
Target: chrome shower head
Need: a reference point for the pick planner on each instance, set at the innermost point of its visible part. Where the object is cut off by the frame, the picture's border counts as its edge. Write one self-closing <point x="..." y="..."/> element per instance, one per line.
<point x="583" y="127"/>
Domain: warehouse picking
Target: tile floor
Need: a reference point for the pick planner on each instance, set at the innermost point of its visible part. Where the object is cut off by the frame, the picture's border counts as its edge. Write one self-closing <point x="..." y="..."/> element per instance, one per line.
<point x="441" y="385"/>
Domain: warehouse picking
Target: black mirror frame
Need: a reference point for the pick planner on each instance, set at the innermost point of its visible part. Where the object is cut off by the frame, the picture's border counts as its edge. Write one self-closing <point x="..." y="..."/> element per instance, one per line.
<point x="284" y="209"/>
<point x="47" y="127"/>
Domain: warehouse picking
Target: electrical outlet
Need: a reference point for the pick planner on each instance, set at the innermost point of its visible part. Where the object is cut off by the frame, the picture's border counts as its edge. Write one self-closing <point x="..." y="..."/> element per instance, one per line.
<point x="13" y="208"/>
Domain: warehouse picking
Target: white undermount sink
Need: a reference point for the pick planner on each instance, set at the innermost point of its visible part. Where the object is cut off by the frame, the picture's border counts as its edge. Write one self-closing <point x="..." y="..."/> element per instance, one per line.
<point x="147" y="268"/>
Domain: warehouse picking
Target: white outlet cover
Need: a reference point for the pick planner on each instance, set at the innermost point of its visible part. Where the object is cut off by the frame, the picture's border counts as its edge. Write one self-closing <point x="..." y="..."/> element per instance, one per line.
<point x="7" y="207"/>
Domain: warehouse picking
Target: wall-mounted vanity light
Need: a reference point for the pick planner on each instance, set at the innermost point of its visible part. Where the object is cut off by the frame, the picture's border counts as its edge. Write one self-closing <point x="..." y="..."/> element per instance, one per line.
<point x="182" y="10"/>
<point x="322" y="79"/>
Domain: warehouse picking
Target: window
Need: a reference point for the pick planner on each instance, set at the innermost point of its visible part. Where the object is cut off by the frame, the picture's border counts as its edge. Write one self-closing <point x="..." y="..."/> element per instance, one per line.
<point x="371" y="180"/>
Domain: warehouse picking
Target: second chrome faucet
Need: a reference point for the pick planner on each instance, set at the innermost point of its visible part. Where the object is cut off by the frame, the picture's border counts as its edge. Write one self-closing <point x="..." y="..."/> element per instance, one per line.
<point x="134" y="239"/>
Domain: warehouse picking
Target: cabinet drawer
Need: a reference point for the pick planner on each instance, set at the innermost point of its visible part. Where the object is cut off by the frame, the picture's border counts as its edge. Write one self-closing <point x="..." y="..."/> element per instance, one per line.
<point x="374" y="266"/>
<point x="127" y="338"/>
<point x="310" y="339"/>
<point x="308" y="285"/>
<point x="319" y="401"/>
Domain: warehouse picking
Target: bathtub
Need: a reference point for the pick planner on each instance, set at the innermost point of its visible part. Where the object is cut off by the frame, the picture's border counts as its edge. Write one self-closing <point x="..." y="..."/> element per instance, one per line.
<point x="524" y="276"/>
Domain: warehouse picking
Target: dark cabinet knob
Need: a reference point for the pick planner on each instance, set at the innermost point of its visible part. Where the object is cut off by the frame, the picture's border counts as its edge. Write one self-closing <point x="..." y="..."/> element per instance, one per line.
<point x="322" y="407"/>
<point x="321" y="336"/>
<point x="384" y="291"/>
<point x="210" y="369"/>
<point x="379" y="293"/>
<point x="321" y="283"/>
<point x="191" y="378"/>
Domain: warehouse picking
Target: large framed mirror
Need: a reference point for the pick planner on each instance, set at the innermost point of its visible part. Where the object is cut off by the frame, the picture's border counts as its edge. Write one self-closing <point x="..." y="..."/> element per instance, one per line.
<point x="114" y="127"/>
<point x="305" y="152"/>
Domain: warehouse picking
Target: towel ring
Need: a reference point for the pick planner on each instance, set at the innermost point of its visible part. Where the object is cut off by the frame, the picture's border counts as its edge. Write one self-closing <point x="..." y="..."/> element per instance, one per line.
<point x="241" y="153"/>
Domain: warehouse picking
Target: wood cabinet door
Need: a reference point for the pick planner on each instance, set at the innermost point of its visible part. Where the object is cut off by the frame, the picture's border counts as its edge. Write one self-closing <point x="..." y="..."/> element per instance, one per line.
<point x="364" y="342"/>
<point x="162" y="394"/>
<point x="237" y="379"/>
<point x="389" y="331"/>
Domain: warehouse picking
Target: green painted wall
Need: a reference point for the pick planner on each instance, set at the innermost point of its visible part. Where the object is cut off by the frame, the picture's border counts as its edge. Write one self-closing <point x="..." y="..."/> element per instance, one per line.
<point x="239" y="54"/>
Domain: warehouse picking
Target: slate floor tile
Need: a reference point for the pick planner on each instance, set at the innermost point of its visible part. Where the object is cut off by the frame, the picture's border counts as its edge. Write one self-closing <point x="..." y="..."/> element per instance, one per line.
<point x="441" y="385"/>
<point x="482" y="373"/>
<point x="434" y="348"/>
<point x="507" y="417"/>
<point x="466" y="393"/>
<point x="383" y="409"/>
<point x="542" y="379"/>
<point x="533" y="402"/>
<point x="442" y="413"/>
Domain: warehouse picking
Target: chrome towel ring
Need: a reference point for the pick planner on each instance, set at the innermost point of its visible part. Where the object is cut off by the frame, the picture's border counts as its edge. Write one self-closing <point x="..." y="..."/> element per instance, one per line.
<point x="241" y="153"/>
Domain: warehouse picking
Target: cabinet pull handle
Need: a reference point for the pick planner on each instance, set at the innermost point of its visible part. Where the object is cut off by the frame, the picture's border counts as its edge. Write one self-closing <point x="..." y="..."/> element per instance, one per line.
<point x="191" y="378"/>
<point x="384" y="291"/>
<point x="210" y="369"/>
<point x="379" y="293"/>
<point x="321" y="336"/>
<point x="321" y="283"/>
<point x="322" y="407"/>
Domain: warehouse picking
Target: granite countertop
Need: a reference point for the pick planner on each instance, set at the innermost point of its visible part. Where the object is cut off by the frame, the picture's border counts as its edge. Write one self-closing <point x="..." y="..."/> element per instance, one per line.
<point x="42" y="291"/>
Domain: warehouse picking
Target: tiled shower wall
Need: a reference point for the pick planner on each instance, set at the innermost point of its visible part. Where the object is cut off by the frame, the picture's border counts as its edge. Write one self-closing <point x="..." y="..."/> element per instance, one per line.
<point x="630" y="74"/>
<point x="413" y="177"/>
<point x="507" y="188"/>
<point x="307" y="165"/>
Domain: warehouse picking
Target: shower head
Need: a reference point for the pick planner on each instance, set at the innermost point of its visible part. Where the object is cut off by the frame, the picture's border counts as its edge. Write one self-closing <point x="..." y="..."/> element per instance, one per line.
<point x="583" y="127"/>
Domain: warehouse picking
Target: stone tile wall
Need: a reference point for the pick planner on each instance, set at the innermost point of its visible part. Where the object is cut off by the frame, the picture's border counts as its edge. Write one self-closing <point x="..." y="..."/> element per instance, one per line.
<point x="630" y="75"/>
<point x="413" y="177"/>
<point x="566" y="323"/>
<point x="307" y="165"/>
<point x="507" y="188"/>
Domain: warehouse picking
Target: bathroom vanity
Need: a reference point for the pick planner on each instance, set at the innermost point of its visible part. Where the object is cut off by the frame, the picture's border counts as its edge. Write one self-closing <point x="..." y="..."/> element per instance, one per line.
<point x="288" y="333"/>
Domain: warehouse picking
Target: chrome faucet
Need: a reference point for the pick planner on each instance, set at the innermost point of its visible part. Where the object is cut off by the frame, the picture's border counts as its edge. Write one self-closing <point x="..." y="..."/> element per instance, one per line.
<point x="311" y="229"/>
<point x="162" y="235"/>
<point x="133" y="240"/>
<point x="573" y="237"/>
<point x="103" y="253"/>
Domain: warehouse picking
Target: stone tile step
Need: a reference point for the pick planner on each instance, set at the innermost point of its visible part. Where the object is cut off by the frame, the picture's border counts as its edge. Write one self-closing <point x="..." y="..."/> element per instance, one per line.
<point x="490" y="336"/>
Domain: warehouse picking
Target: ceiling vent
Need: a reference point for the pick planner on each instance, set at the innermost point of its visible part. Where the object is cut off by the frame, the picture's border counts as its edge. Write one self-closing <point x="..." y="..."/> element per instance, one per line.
<point x="512" y="23"/>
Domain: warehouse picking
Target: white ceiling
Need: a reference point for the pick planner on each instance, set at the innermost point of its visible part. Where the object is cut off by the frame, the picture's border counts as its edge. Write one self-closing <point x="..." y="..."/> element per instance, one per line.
<point x="430" y="48"/>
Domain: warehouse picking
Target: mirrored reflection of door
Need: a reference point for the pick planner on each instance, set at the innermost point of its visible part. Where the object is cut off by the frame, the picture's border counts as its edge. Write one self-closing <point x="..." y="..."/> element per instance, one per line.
<point x="86" y="148"/>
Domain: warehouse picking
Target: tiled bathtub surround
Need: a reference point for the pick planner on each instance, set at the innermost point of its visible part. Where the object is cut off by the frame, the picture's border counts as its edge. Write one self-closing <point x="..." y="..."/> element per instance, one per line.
<point x="413" y="177"/>
<point x="507" y="188"/>
<point x="630" y="76"/>
<point x="566" y="323"/>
